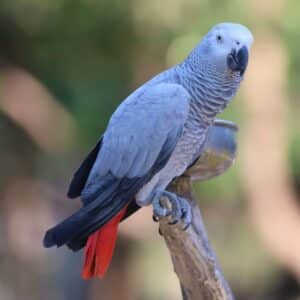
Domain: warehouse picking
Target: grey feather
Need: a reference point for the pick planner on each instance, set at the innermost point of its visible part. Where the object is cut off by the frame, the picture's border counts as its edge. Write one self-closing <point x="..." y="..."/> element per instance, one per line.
<point x="155" y="133"/>
<point x="146" y="118"/>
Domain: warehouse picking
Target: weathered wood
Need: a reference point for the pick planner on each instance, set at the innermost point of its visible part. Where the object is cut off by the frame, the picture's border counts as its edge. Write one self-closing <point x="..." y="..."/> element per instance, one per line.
<point x="193" y="259"/>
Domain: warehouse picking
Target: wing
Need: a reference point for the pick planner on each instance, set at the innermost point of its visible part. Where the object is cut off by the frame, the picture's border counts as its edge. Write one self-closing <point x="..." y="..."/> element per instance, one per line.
<point x="134" y="138"/>
<point x="137" y="132"/>
<point x="81" y="175"/>
<point x="138" y="142"/>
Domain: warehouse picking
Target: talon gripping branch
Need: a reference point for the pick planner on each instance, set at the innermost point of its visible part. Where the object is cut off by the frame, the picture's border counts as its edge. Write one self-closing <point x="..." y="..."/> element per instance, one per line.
<point x="154" y="136"/>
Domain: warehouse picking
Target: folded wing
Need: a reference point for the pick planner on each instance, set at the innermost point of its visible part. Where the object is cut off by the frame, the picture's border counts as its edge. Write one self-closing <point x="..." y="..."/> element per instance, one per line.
<point x="138" y="142"/>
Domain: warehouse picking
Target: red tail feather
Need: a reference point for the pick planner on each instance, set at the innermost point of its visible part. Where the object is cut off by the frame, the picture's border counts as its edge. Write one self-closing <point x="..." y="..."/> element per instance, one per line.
<point x="100" y="247"/>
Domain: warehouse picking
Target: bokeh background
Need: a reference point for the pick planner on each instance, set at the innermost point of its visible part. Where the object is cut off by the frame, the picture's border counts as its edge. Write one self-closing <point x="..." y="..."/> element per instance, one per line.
<point x="65" y="65"/>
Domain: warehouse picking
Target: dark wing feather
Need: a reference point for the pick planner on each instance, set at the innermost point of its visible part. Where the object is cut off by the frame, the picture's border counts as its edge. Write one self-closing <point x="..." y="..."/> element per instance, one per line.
<point x="75" y="230"/>
<point x="81" y="175"/>
<point x="131" y="209"/>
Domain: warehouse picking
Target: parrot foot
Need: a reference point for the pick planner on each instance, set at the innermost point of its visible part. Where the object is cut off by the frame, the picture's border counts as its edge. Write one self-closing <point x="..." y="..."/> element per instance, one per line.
<point x="176" y="207"/>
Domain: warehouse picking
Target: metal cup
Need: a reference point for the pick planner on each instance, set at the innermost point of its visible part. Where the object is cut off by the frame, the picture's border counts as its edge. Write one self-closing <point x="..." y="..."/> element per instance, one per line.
<point x="219" y="152"/>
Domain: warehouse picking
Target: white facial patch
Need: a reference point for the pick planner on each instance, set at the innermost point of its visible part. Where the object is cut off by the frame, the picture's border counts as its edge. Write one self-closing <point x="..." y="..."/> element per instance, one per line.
<point x="237" y="32"/>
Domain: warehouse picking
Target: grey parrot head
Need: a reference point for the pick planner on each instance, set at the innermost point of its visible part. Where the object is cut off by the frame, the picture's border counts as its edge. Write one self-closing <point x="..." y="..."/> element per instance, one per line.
<point x="226" y="47"/>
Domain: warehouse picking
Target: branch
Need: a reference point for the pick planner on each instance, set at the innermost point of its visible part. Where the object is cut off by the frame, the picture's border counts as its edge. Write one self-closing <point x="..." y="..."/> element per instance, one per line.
<point x="193" y="258"/>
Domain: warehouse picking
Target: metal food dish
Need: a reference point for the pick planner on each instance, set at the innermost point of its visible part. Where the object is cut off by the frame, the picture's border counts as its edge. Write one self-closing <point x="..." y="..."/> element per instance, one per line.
<point x="219" y="151"/>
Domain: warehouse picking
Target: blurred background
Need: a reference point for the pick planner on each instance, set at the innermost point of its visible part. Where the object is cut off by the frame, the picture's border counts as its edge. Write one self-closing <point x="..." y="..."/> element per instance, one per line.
<point x="66" y="65"/>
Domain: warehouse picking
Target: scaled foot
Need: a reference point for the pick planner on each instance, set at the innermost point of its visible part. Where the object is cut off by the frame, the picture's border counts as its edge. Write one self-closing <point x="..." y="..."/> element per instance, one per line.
<point x="177" y="208"/>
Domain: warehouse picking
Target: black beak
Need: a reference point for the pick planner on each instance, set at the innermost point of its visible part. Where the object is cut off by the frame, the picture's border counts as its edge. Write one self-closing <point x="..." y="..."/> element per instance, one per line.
<point x="237" y="61"/>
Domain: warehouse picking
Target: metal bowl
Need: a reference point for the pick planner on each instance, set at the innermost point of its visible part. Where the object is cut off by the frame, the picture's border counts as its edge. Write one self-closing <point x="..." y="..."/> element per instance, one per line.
<point x="219" y="151"/>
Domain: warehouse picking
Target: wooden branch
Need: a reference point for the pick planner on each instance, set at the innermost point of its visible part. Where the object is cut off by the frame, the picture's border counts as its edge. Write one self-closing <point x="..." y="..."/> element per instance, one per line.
<point x="193" y="258"/>
<point x="194" y="261"/>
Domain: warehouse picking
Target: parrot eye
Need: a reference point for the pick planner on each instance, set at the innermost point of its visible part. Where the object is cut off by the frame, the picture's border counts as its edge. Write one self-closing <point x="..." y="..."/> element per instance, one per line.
<point x="219" y="38"/>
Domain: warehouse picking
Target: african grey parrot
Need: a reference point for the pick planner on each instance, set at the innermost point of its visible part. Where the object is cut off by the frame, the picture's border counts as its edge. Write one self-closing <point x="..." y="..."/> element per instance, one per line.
<point x="155" y="134"/>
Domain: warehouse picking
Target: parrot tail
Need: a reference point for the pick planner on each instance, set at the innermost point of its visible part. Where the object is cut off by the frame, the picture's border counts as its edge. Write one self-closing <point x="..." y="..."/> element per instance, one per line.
<point x="100" y="247"/>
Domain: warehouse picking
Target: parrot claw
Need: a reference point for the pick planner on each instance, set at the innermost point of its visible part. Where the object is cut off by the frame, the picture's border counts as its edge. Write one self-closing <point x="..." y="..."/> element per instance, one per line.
<point x="155" y="218"/>
<point x="177" y="208"/>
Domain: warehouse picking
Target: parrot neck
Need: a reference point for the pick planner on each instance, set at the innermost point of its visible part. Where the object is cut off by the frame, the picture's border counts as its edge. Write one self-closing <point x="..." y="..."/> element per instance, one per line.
<point x="210" y="90"/>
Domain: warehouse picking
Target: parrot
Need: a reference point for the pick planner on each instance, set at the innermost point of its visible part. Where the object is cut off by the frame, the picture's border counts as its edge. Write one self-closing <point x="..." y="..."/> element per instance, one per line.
<point x="153" y="136"/>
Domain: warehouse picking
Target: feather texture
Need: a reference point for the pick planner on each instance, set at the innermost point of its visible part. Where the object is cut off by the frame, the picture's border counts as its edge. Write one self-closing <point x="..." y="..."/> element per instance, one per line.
<point x="99" y="248"/>
<point x="105" y="195"/>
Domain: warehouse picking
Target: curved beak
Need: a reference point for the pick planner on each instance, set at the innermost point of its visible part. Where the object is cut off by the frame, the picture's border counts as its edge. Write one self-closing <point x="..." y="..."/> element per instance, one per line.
<point x="237" y="60"/>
